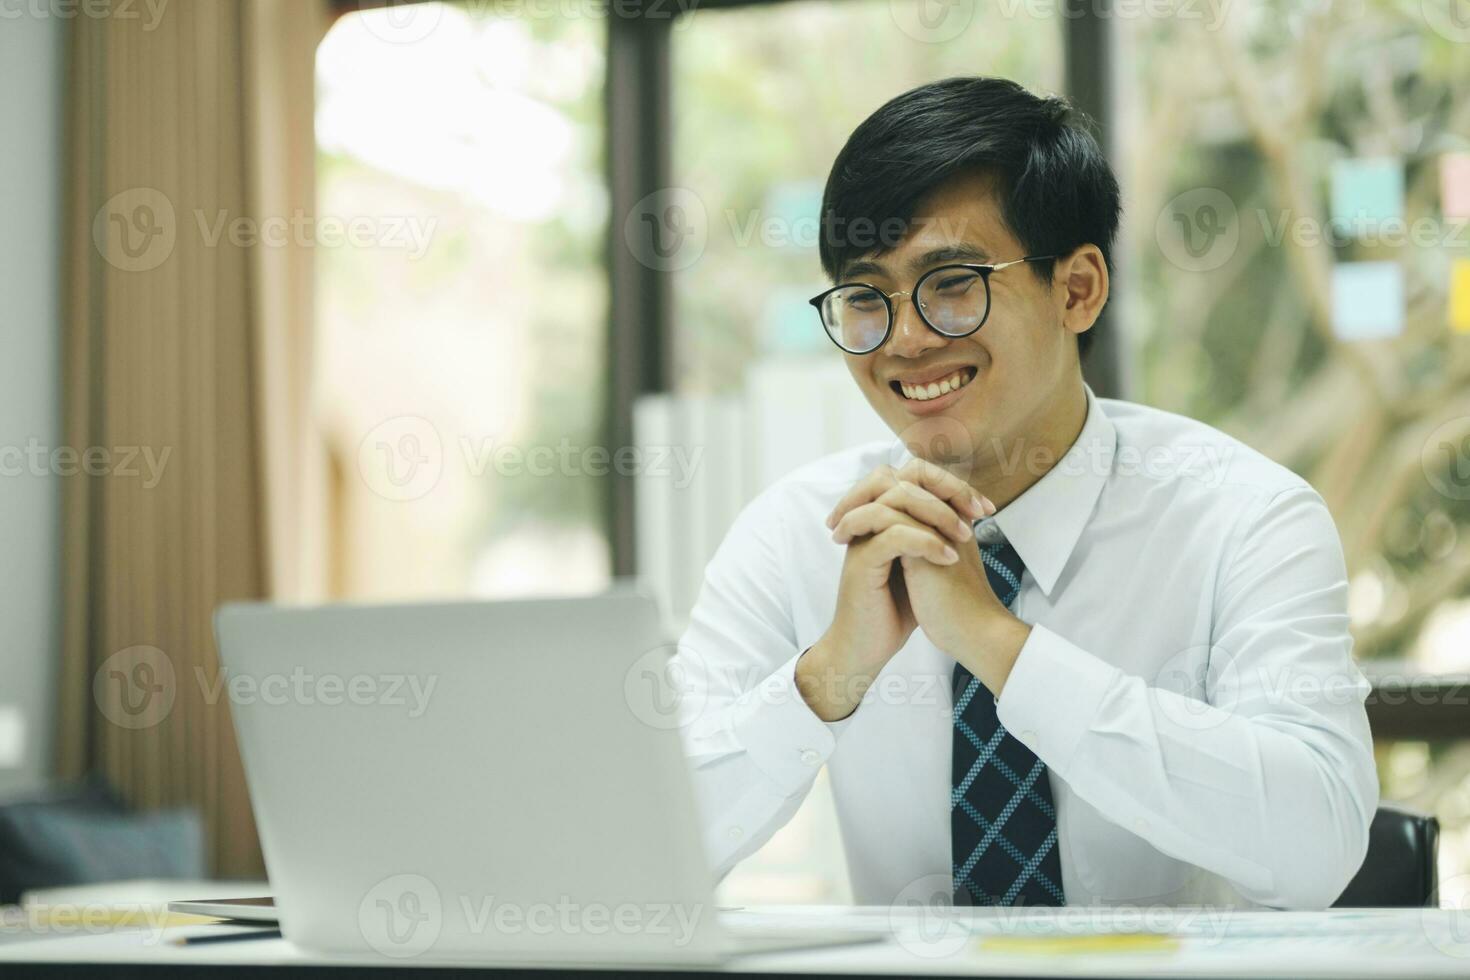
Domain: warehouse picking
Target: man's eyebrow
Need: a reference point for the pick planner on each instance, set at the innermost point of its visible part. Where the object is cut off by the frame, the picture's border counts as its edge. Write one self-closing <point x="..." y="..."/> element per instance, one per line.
<point x="862" y="267"/>
<point x="960" y="252"/>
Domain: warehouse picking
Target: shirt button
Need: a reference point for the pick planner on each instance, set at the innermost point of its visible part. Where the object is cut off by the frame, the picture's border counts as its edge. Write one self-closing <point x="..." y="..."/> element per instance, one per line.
<point x="810" y="757"/>
<point x="988" y="533"/>
<point x="735" y="833"/>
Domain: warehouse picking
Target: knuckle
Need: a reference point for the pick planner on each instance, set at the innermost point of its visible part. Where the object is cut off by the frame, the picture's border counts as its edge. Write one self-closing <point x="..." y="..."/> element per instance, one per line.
<point x="901" y="492"/>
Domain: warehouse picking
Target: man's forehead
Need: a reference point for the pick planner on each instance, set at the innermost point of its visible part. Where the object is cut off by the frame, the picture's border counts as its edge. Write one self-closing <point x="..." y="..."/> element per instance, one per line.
<point x="914" y="254"/>
<point x="957" y="222"/>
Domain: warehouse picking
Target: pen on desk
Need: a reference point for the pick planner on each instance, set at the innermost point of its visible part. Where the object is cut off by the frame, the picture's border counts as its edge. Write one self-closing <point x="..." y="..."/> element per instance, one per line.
<point x="230" y="937"/>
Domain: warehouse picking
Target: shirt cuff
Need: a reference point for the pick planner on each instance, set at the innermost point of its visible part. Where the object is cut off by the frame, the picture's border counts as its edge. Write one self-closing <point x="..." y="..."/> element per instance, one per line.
<point x="783" y="736"/>
<point x="1052" y="695"/>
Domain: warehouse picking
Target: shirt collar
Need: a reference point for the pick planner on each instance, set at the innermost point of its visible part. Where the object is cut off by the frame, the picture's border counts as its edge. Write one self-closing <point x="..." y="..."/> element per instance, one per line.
<point x="1045" y="522"/>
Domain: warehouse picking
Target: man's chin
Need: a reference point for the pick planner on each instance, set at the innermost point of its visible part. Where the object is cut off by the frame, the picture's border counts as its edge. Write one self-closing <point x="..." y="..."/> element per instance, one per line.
<point x="939" y="439"/>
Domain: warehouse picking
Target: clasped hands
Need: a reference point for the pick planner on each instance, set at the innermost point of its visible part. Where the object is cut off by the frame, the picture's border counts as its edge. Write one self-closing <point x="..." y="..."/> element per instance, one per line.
<point x="912" y="562"/>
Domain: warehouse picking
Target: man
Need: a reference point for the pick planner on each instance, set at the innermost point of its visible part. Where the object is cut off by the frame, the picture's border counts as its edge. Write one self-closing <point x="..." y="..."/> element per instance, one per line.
<point x="1053" y="649"/>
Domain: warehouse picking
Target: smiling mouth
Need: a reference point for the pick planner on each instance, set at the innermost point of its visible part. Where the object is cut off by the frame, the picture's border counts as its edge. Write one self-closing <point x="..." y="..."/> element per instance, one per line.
<point x="934" y="389"/>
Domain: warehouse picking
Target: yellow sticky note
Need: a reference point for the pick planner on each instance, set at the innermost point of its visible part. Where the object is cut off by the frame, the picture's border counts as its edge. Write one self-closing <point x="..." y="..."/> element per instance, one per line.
<point x="1460" y="296"/>
<point x="1112" y="942"/>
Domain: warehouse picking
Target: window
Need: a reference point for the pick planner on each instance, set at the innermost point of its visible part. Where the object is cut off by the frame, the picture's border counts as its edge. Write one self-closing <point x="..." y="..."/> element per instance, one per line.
<point x="1296" y="225"/>
<point x="763" y="98"/>
<point x="462" y="331"/>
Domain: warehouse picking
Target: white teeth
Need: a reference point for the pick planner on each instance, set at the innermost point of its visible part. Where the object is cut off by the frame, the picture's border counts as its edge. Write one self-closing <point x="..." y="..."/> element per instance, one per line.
<point x="922" y="393"/>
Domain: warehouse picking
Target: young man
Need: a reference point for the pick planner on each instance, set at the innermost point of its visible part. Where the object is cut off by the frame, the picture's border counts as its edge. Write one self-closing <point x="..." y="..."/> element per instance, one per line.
<point x="1053" y="649"/>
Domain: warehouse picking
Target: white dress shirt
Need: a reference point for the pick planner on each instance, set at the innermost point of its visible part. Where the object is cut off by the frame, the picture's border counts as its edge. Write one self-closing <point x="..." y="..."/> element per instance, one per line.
<point x="1188" y="680"/>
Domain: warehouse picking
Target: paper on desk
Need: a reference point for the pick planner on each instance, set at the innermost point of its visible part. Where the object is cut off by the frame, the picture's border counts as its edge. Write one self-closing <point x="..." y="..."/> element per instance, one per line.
<point x="1117" y="942"/>
<point x="109" y="906"/>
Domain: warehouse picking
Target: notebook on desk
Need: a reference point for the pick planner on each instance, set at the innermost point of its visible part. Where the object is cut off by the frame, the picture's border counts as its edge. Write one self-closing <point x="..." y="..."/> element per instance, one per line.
<point x="253" y="910"/>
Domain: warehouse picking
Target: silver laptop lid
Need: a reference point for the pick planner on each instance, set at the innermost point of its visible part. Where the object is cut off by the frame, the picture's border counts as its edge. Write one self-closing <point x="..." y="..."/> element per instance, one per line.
<point x="470" y="779"/>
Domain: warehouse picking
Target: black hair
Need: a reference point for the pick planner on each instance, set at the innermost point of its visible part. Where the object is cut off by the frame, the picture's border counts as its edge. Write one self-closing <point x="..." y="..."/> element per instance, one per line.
<point x="1055" y="188"/>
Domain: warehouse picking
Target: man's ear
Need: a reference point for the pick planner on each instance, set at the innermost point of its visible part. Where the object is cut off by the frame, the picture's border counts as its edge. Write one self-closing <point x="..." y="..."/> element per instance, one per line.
<point x="1080" y="281"/>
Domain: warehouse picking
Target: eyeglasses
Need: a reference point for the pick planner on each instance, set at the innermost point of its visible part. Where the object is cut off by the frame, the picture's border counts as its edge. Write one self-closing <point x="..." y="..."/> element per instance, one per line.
<point x="952" y="300"/>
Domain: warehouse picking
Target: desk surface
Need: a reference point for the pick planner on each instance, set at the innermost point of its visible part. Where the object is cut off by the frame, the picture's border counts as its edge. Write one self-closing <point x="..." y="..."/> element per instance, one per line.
<point x="1074" y="942"/>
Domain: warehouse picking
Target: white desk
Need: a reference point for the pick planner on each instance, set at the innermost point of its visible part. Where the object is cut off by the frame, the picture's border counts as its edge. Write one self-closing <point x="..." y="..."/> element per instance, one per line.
<point x="986" y="942"/>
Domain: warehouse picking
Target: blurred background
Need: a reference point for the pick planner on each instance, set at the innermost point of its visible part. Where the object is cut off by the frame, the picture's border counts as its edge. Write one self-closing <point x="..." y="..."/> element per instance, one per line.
<point x="315" y="300"/>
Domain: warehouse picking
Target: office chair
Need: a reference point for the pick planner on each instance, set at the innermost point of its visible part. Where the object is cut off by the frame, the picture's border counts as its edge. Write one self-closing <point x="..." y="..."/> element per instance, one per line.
<point x="1399" y="869"/>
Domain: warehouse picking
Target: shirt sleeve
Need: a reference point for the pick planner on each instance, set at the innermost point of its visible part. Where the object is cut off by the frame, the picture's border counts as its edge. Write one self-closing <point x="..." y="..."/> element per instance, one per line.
<point x="1264" y="773"/>
<point x="753" y="743"/>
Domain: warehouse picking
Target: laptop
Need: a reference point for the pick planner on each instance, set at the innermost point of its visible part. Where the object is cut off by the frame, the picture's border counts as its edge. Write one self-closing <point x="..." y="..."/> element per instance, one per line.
<point x="477" y="781"/>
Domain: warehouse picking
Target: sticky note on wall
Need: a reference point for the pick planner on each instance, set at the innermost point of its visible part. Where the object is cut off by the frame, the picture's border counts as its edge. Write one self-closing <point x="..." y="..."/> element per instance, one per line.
<point x="1454" y="185"/>
<point x="1367" y="300"/>
<point x="1460" y="295"/>
<point x="1367" y="192"/>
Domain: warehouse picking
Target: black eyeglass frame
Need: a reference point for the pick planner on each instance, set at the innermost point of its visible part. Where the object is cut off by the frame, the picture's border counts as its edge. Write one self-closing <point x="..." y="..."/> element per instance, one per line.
<point x="985" y="269"/>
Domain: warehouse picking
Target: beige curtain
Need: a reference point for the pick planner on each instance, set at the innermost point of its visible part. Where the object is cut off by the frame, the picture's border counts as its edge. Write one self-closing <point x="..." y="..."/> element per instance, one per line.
<point x="187" y="361"/>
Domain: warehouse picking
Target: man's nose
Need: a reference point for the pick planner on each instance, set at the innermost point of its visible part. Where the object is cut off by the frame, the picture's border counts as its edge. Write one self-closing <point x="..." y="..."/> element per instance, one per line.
<point x="911" y="335"/>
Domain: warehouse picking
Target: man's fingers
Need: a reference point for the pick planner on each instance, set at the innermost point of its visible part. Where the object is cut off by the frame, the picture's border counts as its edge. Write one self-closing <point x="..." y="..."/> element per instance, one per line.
<point x="946" y="486"/>
<point x="907" y="541"/>
<point x="924" y="506"/>
<point x="908" y="499"/>
<point x="865" y="491"/>
<point x="935" y="479"/>
<point x="869" y="519"/>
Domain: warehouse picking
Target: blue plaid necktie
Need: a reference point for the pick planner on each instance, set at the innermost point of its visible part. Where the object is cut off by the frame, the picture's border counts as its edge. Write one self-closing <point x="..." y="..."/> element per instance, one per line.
<point x="1003" y="826"/>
